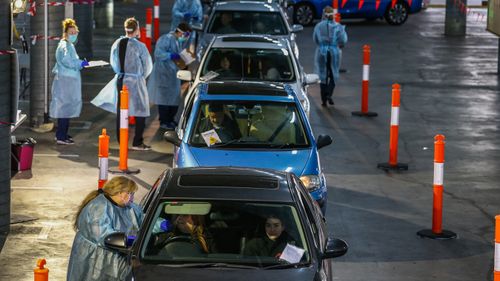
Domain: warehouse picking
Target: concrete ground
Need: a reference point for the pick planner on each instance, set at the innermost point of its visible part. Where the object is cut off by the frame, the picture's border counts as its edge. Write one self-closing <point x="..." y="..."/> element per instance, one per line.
<point x="449" y="86"/>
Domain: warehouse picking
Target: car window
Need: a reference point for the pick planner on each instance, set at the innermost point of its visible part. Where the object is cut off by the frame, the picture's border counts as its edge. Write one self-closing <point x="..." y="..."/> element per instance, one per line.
<point x="231" y="232"/>
<point x="249" y="124"/>
<point x="250" y="64"/>
<point x="253" y="22"/>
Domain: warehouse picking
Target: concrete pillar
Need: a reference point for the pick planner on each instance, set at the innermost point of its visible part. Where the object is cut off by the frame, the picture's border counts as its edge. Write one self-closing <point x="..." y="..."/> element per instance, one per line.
<point x="84" y="17"/>
<point x="38" y="67"/>
<point x="5" y="116"/>
<point x="456" y="18"/>
<point x="103" y="14"/>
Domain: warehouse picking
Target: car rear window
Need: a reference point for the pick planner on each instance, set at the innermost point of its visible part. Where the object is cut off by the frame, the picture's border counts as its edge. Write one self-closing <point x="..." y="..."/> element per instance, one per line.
<point x="254" y="22"/>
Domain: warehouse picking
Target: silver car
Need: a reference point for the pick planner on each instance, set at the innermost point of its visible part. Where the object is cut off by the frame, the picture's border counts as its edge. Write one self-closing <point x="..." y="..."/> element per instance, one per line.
<point x="246" y="17"/>
<point x="253" y="58"/>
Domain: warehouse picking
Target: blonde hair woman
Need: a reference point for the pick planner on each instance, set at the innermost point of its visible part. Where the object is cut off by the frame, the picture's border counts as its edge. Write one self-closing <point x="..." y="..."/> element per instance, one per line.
<point x="103" y="212"/>
<point x="67" y="85"/>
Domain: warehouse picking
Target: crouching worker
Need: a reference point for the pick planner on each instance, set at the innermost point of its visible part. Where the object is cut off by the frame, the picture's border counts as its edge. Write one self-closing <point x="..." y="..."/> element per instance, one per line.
<point x="101" y="213"/>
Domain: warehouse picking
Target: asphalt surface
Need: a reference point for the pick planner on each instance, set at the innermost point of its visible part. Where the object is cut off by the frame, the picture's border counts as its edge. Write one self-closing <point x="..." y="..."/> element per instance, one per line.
<point x="449" y="86"/>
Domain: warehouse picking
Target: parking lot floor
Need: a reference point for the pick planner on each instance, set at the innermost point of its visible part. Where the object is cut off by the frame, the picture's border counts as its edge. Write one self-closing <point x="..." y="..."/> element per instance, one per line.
<point x="449" y="86"/>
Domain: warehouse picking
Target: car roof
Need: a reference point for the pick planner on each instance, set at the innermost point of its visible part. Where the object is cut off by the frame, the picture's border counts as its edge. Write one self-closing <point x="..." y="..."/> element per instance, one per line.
<point x="227" y="183"/>
<point x="244" y="90"/>
<point x="248" y="41"/>
<point x="247" y="6"/>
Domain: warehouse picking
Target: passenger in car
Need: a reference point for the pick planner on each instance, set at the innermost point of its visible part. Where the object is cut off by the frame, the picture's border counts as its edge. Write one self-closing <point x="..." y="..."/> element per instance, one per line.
<point x="273" y="242"/>
<point x="225" y="127"/>
<point x="226" y="26"/>
<point x="191" y="227"/>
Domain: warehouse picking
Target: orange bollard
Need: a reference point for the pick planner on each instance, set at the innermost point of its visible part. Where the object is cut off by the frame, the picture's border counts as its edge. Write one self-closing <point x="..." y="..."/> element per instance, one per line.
<point x="335" y="5"/>
<point x="337" y="17"/>
<point x="149" y="21"/>
<point x="156" y="17"/>
<point x="437" y="231"/>
<point x="143" y="35"/>
<point x="41" y="273"/>
<point x="364" y="85"/>
<point x="103" y="158"/>
<point x="123" y="162"/>
<point x="496" y="268"/>
<point x="393" y="137"/>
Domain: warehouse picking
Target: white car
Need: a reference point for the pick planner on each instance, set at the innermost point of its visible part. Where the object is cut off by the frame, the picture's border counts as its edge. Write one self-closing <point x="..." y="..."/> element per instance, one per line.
<point x="253" y="58"/>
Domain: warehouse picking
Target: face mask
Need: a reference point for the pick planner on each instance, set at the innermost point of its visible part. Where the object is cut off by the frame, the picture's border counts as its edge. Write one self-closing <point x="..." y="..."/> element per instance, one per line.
<point x="181" y="39"/>
<point x="130" y="200"/>
<point x="72" y="38"/>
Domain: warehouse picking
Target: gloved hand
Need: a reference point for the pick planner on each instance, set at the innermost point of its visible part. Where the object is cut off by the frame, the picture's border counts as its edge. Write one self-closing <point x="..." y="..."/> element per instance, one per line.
<point x="130" y="240"/>
<point x="162" y="225"/>
<point x="84" y="63"/>
<point x="195" y="18"/>
<point x="174" y="56"/>
<point x="187" y="16"/>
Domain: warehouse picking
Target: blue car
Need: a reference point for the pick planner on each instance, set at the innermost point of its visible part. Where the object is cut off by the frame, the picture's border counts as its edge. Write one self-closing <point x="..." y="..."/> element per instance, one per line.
<point x="249" y="124"/>
<point x="305" y="11"/>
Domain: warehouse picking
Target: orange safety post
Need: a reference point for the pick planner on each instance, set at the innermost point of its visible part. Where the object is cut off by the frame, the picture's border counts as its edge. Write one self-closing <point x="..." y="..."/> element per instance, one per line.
<point x="142" y="37"/>
<point x="335" y="5"/>
<point x="103" y="158"/>
<point x="41" y="273"/>
<point x="156" y="17"/>
<point x="337" y="17"/>
<point x="437" y="231"/>
<point x="149" y="21"/>
<point x="131" y="120"/>
<point x="394" y="131"/>
<point x="496" y="268"/>
<point x="123" y="162"/>
<point x="364" y="85"/>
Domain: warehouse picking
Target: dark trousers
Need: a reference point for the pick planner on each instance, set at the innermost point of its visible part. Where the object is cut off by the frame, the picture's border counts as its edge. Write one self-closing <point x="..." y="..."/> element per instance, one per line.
<point x="167" y="113"/>
<point x="62" y="128"/>
<point x="328" y="87"/>
<point x="140" y="122"/>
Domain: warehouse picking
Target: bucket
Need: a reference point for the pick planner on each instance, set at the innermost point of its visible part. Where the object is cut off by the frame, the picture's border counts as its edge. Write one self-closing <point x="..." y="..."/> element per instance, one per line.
<point x="22" y="154"/>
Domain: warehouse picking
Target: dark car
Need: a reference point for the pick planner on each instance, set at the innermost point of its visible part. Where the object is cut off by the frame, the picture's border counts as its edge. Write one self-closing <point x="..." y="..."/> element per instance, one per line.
<point x="229" y="209"/>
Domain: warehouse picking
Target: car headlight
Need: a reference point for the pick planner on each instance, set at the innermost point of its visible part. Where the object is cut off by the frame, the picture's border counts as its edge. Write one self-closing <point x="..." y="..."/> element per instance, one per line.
<point x="311" y="182"/>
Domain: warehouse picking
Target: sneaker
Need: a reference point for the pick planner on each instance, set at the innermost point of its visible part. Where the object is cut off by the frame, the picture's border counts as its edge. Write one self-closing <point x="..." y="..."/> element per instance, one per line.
<point x="69" y="138"/>
<point x="141" y="147"/>
<point x="65" y="142"/>
<point x="168" y="126"/>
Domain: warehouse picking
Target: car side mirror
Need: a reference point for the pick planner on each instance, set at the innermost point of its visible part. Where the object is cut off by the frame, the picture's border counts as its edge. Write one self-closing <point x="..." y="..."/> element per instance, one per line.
<point x="197" y="27"/>
<point x="335" y="248"/>
<point x="323" y="140"/>
<point x="117" y="241"/>
<point x="184" y="75"/>
<point x="172" y="137"/>
<point x="297" y="28"/>
<point x="311" y="79"/>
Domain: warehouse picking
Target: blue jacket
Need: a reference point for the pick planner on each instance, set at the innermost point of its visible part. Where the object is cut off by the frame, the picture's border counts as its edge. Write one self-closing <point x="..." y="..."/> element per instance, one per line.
<point x="328" y="36"/>
<point x="66" y="99"/>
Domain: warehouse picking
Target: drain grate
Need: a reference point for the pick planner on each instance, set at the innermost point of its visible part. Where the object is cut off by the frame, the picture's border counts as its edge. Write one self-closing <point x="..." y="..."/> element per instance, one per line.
<point x="22" y="230"/>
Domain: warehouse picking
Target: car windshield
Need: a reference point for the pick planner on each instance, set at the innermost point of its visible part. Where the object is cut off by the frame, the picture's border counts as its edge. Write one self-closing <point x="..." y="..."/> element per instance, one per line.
<point x="249" y="124"/>
<point x="225" y="234"/>
<point x="250" y="64"/>
<point x="255" y="22"/>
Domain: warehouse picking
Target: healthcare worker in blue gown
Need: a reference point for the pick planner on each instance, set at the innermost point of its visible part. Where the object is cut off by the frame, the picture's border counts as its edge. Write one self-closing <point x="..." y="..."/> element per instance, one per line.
<point x="163" y="85"/>
<point x="190" y="12"/>
<point x="132" y="64"/>
<point x="329" y="37"/>
<point x="66" y="100"/>
<point x="101" y="213"/>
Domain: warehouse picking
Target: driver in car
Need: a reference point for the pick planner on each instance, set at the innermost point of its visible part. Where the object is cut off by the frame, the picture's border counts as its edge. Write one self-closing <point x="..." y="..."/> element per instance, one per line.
<point x="225" y="127"/>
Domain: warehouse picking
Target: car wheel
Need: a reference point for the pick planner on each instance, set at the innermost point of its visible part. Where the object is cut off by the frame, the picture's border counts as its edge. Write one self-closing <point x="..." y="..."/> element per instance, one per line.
<point x="398" y="14"/>
<point x="303" y="14"/>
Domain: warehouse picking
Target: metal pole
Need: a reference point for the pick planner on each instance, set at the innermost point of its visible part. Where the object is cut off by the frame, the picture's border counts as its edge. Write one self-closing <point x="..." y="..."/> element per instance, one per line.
<point x="46" y="60"/>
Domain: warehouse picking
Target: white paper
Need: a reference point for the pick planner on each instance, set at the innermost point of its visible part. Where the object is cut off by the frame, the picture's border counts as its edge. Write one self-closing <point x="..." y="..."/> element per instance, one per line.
<point x="94" y="63"/>
<point x="292" y="254"/>
<point x="211" y="137"/>
<point x="186" y="57"/>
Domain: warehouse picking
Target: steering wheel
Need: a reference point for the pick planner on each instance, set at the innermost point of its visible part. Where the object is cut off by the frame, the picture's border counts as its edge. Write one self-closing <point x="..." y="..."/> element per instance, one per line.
<point x="181" y="246"/>
<point x="174" y="239"/>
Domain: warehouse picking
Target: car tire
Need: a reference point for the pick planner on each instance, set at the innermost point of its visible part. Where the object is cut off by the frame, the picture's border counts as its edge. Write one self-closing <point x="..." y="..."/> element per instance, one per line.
<point x="398" y="14"/>
<point x="303" y="14"/>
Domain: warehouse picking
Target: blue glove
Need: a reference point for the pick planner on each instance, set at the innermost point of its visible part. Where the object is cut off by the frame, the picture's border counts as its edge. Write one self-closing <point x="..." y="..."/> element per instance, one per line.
<point x="162" y="225"/>
<point x="84" y="63"/>
<point x="195" y="18"/>
<point x="174" y="56"/>
<point x="187" y="16"/>
<point x="130" y="240"/>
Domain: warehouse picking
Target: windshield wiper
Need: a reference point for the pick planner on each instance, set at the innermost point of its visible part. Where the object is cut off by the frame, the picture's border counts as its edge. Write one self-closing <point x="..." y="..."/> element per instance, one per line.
<point x="286" y="265"/>
<point x="226" y="143"/>
<point x="217" y="264"/>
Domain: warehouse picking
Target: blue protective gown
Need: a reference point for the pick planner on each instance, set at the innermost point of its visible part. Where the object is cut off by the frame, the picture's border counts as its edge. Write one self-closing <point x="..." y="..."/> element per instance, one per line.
<point x="163" y="86"/>
<point x="328" y="35"/>
<point x="181" y="7"/>
<point x="67" y="85"/>
<point x="138" y="66"/>
<point x="90" y="260"/>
